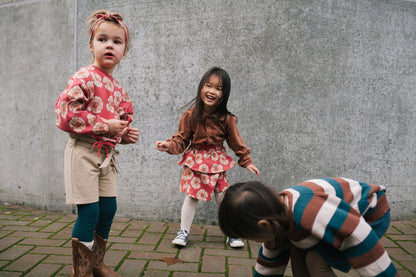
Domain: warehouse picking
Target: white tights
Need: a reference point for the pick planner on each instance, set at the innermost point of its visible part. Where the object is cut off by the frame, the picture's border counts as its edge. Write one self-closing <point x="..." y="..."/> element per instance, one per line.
<point x="189" y="207"/>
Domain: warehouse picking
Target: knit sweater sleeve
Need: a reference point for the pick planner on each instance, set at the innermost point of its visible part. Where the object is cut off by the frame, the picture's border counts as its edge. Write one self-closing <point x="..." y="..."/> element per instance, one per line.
<point x="272" y="261"/>
<point x="332" y="220"/>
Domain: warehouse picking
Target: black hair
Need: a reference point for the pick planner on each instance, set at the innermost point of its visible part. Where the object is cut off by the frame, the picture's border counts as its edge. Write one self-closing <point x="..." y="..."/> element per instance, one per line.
<point x="221" y="111"/>
<point x="245" y="204"/>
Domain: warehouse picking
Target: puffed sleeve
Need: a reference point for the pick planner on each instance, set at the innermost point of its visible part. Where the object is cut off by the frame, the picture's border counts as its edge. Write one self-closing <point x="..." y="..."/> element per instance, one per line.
<point x="236" y="142"/>
<point x="180" y="141"/>
<point x="72" y="114"/>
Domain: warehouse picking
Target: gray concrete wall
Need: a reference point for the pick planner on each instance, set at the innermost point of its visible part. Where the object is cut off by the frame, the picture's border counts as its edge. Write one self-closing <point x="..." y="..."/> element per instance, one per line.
<point x="321" y="88"/>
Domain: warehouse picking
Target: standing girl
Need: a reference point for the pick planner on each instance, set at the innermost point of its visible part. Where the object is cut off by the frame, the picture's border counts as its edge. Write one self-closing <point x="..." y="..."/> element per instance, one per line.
<point x="319" y="224"/>
<point x="201" y="133"/>
<point x="96" y="112"/>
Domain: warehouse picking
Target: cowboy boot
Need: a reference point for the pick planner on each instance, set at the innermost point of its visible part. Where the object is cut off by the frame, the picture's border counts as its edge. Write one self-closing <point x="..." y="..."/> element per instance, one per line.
<point x="99" y="268"/>
<point x="81" y="259"/>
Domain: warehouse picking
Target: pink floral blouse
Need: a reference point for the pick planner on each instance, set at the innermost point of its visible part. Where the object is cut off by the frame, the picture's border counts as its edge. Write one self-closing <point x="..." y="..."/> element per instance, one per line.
<point x="90" y="99"/>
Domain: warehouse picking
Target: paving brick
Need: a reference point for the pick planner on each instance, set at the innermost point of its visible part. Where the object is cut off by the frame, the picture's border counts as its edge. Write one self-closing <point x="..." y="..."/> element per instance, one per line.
<point x="58" y="259"/>
<point x="206" y="244"/>
<point x="150" y="238"/>
<point x="241" y="261"/>
<point x="156" y="273"/>
<point x="52" y="250"/>
<point x="14" y="252"/>
<point x="119" y="225"/>
<point x="240" y="271"/>
<point x="149" y="255"/>
<point x="40" y="223"/>
<point x="20" y="228"/>
<point x="65" y="271"/>
<point x="226" y="253"/>
<point x="44" y="242"/>
<point x="43" y="270"/>
<point x="405" y="227"/>
<point x="409" y="246"/>
<point x="25" y="263"/>
<point x="173" y="228"/>
<point x="215" y="239"/>
<point x="167" y="246"/>
<point x="65" y="233"/>
<point x="159" y="265"/>
<point x="410" y="265"/>
<point x="12" y="223"/>
<point x="132" y="233"/>
<point x="49" y="252"/>
<point x="405" y="273"/>
<point x="10" y="274"/>
<point x="138" y="224"/>
<point x="6" y="242"/>
<point x="132" y="247"/>
<point x="213" y="263"/>
<point x="25" y="234"/>
<point x="215" y="232"/>
<point x="113" y="258"/>
<point x="158" y="227"/>
<point x="121" y="240"/>
<point x="132" y="268"/>
<point x="54" y="227"/>
<point x="4" y="233"/>
<point x="194" y="274"/>
<point x="190" y="254"/>
<point x="402" y="237"/>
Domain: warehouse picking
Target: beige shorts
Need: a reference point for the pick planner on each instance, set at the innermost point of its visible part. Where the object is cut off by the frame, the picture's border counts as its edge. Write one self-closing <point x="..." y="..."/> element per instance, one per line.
<point x="87" y="175"/>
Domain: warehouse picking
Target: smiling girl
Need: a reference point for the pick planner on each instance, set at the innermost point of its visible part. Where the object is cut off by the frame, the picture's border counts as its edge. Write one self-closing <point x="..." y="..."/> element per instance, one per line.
<point x="96" y="112"/>
<point x="201" y="133"/>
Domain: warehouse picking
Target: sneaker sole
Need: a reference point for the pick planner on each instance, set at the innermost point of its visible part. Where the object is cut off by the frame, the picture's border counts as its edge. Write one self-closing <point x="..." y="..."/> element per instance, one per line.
<point x="235" y="246"/>
<point x="180" y="243"/>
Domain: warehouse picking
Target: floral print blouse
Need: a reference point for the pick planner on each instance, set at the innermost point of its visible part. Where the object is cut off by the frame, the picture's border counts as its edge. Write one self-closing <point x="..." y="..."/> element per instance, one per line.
<point x="90" y="99"/>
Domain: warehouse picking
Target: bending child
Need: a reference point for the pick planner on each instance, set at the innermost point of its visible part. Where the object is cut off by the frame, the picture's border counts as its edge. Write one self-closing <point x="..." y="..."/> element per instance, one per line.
<point x="96" y="112"/>
<point x="320" y="224"/>
<point x="201" y="133"/>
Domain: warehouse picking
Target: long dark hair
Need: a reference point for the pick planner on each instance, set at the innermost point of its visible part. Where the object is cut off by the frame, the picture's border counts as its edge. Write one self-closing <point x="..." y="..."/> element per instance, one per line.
<point x="221" y="111"/>
<point x="245" y="204"/>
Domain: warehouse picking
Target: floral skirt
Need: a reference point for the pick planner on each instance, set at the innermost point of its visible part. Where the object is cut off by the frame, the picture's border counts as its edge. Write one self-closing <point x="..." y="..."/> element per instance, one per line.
<point x="204" y="171"/>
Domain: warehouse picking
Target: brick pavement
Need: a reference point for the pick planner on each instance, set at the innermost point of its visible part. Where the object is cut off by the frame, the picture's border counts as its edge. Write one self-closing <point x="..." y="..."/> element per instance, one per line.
<point x="37" y="243"/>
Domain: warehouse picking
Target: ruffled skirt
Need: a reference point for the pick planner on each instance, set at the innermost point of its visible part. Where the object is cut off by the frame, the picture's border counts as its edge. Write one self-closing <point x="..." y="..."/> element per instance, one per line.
<point x="204" y="171"/>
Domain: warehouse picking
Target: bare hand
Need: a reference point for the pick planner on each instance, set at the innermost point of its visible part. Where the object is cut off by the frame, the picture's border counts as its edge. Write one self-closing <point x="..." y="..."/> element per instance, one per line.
<point x="130" y="135"/>
<point x="116" y="127"/>
<point x="162" y="146"/>
<point x="253" y="169"/>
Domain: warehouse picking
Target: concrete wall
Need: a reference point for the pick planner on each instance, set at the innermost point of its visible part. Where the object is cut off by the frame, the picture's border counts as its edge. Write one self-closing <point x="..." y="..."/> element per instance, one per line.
<point x="321" y="88"/>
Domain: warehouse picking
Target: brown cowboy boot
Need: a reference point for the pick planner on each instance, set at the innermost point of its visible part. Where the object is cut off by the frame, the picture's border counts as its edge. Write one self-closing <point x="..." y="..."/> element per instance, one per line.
<point x="99" y="268"/>
<point x="81" y="259"/>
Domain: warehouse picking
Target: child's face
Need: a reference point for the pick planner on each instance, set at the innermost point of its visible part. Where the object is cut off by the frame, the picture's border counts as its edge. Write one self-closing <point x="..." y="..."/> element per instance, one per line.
<point x="211" y="93"/>
<point x="108" y="45"/>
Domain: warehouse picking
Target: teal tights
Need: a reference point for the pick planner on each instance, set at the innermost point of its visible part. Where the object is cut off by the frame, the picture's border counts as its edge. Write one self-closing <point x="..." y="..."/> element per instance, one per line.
<point x="96" y="217"/>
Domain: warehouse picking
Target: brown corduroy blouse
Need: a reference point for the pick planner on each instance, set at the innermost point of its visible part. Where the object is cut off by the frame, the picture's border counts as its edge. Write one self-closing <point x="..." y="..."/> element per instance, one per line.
<point x="209" y="132"/>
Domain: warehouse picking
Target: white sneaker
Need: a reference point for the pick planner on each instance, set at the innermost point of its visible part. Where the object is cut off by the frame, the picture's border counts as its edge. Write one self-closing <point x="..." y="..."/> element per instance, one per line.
<point x="235" y="243"/>
<point x="182" y="238"/>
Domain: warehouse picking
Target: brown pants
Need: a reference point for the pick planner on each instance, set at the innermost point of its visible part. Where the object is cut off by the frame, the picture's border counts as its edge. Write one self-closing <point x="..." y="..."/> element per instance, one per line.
<point x="308" y="263"/>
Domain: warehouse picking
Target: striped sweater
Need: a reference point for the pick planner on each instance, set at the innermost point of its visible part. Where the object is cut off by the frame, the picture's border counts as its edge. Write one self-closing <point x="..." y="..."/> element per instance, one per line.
<point x="336" y="211"/>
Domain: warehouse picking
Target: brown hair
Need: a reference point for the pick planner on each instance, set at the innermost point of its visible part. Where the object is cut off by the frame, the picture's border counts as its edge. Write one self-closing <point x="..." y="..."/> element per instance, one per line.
<point x="245" y="204"/>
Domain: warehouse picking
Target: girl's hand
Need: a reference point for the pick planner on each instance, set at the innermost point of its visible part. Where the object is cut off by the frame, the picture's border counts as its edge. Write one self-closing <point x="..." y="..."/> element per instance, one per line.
<point x="116" y="127"/>
<point x="130" y="135"/>
<point x="253" y="169"/>
<point x="162" y="146"/>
